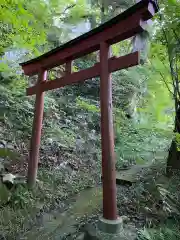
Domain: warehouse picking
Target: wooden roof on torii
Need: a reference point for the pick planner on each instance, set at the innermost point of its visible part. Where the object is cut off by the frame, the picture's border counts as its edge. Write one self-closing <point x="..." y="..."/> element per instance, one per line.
<point x="125" y="25"/>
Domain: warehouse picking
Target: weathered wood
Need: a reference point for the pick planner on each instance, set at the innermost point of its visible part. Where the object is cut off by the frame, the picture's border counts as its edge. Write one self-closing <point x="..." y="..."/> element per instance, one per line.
<point x="115" y="64"/>
<point x="68" y="68"/>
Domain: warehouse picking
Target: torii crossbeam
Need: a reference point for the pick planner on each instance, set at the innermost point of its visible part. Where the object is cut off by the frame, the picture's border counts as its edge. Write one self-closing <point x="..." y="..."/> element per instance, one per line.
<point x="131" y="22"/>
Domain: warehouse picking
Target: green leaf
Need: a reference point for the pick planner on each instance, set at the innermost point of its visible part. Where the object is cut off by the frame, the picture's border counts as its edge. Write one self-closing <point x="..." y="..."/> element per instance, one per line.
<point x="140" y="161"/>
<point x="172" y="1"/>
<point x="5" y="194"/>
<point x="5" y="152"/>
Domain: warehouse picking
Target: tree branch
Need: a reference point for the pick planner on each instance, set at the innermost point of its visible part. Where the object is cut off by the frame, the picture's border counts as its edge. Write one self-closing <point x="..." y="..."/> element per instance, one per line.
<point x="162" y="76"/>
<point x="166" y="83"/>
<point x="68" y="7"/>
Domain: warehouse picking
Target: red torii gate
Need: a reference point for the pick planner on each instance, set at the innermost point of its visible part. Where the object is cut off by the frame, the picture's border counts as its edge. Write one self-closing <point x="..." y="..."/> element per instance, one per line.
<point x="125" y="25"/>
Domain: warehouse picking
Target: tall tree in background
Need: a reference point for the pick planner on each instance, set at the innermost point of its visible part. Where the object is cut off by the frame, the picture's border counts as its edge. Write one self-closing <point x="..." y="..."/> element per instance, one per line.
<point x="171" y="35"/>
<point x="168" y="40"/>
<point x="103" y="10"/>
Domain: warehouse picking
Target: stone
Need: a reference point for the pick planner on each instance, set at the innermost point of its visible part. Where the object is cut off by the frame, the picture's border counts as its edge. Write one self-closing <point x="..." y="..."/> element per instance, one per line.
<point x="10" y="146"/>
<point x="80" y="237"/>
<point x="3" y="143"/>
<point x="125" y="219"/>
<point x="131" y="175"/>
<point x="110" y="226"/>
<point x="8" y="180"/>
<point x="93" y="233"/>
<point x="1" y="167"/>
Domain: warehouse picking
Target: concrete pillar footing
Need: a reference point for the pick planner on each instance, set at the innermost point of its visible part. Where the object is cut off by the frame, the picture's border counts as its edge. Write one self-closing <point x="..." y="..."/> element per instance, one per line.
<point x="105" y="230"/>
<point x="92" y="232"/>
<point x="110" y="226"/>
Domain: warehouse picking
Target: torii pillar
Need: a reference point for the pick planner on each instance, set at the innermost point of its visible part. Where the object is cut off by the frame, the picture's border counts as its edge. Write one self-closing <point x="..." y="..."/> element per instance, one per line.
<point x="107" y="136"/>
<point x="36" y="130"/>
<point x="114" y="223"/>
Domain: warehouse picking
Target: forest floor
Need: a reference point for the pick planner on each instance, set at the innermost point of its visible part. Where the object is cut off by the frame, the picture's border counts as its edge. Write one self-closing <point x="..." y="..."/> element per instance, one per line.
<point x="139" y="205"/>
<point x="65" y="200"/>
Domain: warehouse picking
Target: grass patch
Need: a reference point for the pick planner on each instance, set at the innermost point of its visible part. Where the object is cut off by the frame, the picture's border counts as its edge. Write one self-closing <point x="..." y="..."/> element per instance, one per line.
<point x="168" y="231"/>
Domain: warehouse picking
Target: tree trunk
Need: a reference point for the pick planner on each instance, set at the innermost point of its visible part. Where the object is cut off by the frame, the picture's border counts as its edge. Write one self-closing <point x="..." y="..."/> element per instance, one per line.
<point x="173" y="160"/>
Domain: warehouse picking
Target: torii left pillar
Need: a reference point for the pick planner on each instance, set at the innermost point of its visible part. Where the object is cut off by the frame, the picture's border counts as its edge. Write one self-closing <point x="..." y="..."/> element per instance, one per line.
<point x="36" y="131"/>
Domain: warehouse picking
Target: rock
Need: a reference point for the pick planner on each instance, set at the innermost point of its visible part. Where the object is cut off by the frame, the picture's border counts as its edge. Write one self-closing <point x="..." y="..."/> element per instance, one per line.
<point x="90" y="233"/>
<point x="10" y="146"/>
<point x="80" y="237"/>
<point x="3" y="143"/>
<point x="52" y="159"/>
<point x="8" y="180"/>
<point x="1" y="167"/>
<point x="49" y="141"/>
<point x="125" y="219"/>
<point x="131" y="175"/>
<point x="73" y="166"/>
<point x="19" y="179"/>
<point x="63" y="147"/>
<point x="127" y="233"/>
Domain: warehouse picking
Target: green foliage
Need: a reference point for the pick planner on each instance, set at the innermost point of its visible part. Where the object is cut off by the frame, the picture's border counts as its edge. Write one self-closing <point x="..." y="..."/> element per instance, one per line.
<point x="27" y="24"/>
<point x="21" y="31"/>
<point x="172" y="1"/>
<point x="16" y="111"/>
<point x="65" y="137"/>
<point x="4" y="67"/>
<point x="5" y="194"/>
<point x="21" y="197"/>
<point x="135" y="92"/>
<point x="4" y="152"/>
<point x="87" y="106"/>
<point x="166" y="231"/>
<point x="177" y="139"/>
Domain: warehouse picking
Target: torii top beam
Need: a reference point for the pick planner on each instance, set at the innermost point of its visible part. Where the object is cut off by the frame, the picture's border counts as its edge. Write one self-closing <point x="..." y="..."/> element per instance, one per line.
<point x="123" y="26"/>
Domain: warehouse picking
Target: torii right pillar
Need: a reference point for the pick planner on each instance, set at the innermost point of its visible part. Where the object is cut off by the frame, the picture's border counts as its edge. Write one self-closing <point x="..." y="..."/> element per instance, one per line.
<point x="110" y="222"/>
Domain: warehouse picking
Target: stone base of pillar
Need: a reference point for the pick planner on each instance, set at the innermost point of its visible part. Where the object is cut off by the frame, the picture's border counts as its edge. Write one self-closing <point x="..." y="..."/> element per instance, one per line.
<point x="109" y="230"/>
<point x="110" y="226"/>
